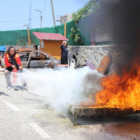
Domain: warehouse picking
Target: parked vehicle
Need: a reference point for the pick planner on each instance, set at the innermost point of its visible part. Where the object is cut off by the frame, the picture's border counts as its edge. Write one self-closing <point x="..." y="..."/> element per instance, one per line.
<point x="35" y="59"/>
<point x="1" y="57"/>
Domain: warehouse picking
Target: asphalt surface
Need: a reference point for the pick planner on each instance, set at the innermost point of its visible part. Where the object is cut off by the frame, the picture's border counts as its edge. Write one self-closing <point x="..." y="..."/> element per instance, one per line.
<point x="25" y="116"/>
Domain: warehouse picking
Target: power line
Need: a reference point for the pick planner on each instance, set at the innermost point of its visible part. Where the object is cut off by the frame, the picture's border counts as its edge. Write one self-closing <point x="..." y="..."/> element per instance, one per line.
<point x="30" y="16"/>
<point x="44" y="8"/>
<point x="18" y="20"/>
<point x="11" y="27"/>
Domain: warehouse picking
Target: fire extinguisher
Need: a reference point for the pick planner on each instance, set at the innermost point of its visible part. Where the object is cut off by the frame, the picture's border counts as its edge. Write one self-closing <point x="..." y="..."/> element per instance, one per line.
<point x="15" y="76"/>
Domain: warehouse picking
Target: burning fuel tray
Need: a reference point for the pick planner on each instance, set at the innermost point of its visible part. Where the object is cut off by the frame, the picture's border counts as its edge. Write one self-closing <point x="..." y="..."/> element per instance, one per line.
<point x="96" y="112"/>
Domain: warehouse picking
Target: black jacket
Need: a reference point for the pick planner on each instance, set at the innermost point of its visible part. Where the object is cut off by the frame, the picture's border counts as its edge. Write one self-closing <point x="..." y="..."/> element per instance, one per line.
<point x="64" y="51"/>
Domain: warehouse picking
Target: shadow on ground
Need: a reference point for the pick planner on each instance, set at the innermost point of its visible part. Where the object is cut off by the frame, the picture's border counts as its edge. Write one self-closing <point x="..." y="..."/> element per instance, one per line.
<point x="2" y="93"/>
<point x="130" y="127"/>
<point x="125" y="126"/>
<point x="17" y="88"/>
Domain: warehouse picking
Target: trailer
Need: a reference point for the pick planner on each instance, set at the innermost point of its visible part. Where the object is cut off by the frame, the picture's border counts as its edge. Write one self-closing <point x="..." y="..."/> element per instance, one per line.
<point x="79" y="111"/>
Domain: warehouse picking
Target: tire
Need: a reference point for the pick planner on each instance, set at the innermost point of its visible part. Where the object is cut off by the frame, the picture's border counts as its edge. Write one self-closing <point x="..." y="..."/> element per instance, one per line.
<point x="2" y="63"/>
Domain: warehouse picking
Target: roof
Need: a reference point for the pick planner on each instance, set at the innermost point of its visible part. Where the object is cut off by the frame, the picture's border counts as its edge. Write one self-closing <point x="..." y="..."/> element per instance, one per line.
<point x="50" y="36"/>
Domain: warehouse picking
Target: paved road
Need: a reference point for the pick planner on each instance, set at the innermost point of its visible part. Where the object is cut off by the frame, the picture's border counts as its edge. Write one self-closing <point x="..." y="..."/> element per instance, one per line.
<point x="24" y="116"/>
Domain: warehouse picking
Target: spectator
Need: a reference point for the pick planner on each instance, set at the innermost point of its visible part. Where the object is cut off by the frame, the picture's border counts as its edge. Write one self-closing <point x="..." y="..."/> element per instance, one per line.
<point x="64" y="53"/>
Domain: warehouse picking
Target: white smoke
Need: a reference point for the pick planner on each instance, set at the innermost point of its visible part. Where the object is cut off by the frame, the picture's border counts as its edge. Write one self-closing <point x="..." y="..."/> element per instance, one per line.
<point x="64" y="87"/>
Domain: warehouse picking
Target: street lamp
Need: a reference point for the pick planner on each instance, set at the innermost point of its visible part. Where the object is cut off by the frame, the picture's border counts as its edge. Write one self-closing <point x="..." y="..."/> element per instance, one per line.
<point x="40" y="17"/>
<point x="58" y="18"/>
<point x="25" y="25"/>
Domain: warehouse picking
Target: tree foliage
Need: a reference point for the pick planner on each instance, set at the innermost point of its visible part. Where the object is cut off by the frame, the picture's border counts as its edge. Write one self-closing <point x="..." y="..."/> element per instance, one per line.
<point x="90" y="7"/>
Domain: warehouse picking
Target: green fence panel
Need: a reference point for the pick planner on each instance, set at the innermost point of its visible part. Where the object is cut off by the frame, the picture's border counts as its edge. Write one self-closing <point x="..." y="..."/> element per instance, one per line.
<point x="12" y="37"/>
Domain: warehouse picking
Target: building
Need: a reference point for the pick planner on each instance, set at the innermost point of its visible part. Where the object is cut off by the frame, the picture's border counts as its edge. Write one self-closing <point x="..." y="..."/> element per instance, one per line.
<point x="50" y="43"/>
<point x="65" y="18"/>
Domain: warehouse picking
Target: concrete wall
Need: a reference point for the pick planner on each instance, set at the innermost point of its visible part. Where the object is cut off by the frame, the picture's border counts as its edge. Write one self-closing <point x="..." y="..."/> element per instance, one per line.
<point x="95" y="54"/>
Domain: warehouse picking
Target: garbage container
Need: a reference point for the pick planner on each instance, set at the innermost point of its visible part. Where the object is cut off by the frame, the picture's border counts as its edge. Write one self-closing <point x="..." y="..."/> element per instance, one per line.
<point x="71" y="63"/>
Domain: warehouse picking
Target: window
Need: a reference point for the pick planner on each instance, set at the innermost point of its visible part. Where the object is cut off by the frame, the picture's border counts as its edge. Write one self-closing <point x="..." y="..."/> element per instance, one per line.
<point x="42" y="44"/>
<point x="24" y="56"/>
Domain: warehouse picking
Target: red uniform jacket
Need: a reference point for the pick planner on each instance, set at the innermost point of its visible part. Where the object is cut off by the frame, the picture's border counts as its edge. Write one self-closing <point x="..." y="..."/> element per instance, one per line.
<point x="7" y="58"/>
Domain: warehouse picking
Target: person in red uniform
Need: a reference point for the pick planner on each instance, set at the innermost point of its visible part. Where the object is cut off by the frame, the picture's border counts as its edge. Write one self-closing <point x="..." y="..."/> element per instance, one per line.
<point x="12" y="61"/>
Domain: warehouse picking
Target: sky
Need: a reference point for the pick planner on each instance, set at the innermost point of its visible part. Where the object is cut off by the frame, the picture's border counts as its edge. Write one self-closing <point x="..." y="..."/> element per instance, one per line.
<point x="15" y="13"/>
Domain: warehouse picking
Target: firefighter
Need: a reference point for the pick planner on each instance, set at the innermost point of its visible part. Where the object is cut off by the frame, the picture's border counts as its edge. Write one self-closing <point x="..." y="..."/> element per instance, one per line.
<point x="64" y="53"/>
<point x="12" y="61"/>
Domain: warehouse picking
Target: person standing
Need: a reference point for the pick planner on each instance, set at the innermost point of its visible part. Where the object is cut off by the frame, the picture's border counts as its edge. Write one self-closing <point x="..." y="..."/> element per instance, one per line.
<point x="64" y="53"/>
<point x="12" y="61"/>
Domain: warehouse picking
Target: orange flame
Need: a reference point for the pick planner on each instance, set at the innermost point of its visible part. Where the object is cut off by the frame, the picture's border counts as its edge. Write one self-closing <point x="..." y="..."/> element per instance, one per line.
<point x="121" y="92"/>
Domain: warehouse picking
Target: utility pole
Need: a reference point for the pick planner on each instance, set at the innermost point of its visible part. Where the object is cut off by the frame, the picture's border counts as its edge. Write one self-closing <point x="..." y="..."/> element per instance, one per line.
<point x="29" y="40"/>
<point x="30" y="17"/>
<point x="40" y="19"/>
<point x="65" y="29"/>
<point x="53" y="13"/>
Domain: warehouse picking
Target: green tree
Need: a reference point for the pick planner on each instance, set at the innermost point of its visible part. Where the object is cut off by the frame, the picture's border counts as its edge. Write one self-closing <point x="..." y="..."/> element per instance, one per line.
<point x="89" y="8"/>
